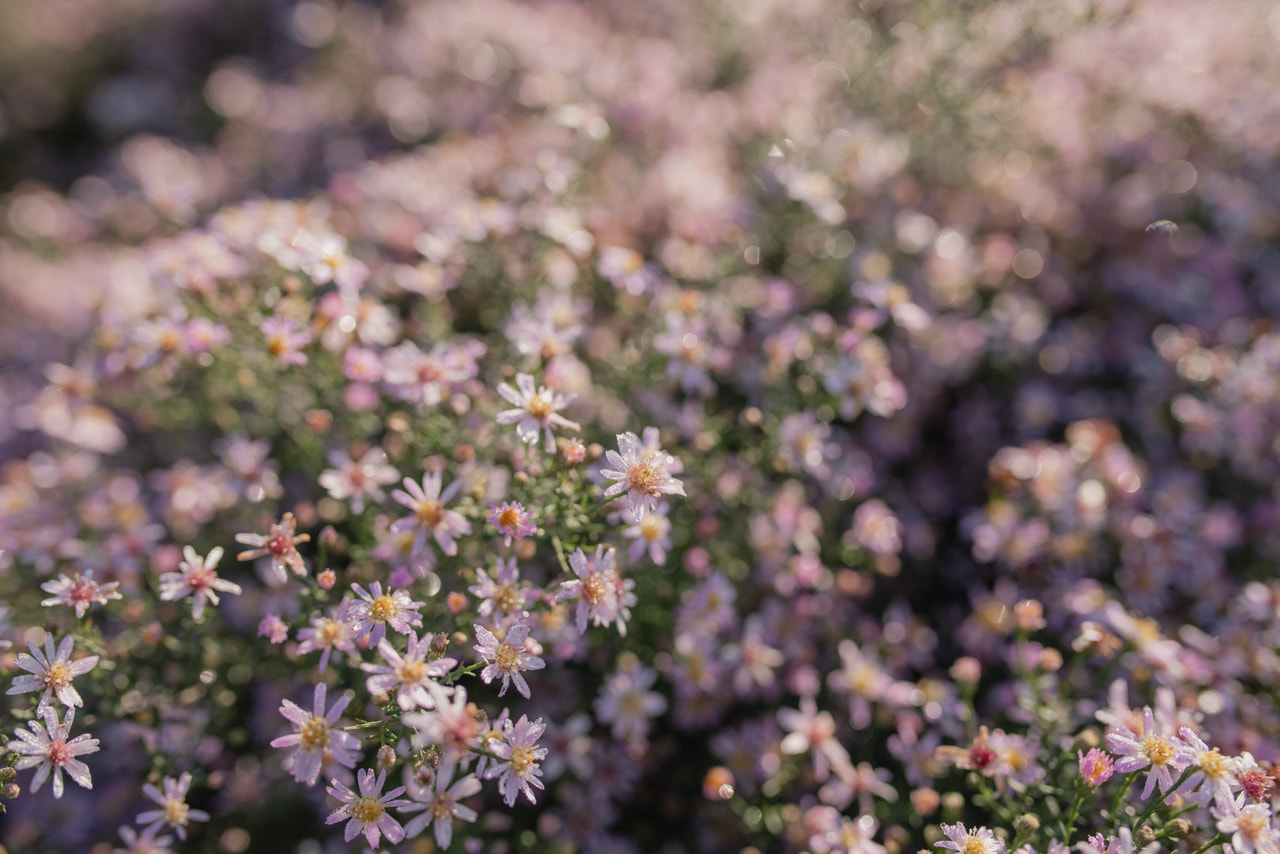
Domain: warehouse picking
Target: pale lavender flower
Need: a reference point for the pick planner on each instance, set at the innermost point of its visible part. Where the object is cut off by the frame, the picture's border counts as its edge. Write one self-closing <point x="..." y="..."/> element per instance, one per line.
<point x="1250" y="829"/>
<point x="284" y="339"/>
<point x="273" y="628"/>
<point x="517" y="770"/>
<point x="410" y="675"/>
<point x="430" y="518"/>
<point x="367" y="811"/>
<point x="506" y="658"/>
<point x="143" y="843"/>
<point x="197" y="578"/>
<point x="47" y="750"/>
<point x="357" y="480"/>
<point x="626" y="702"/>
<point x="79" y="592"/>
<point x="512" y="520"/>
<point x="317" y="737"/>
<point x="1165" y="755"/>
<point x="535" y="412"/>
<point x="502" y="593"/>
<point x="641" y="473"/>
<point x="596" y="587"/>
<point x="327" y="633"/>
<point x="1214" y="777"/>
<point x="174" y="810"/>
<point x="439" y="806"/>
<point x="651" y="534"/>
<point x="980" y="840"/>
<point x="374" y="611"/>
<point x="809" y="730"/>
<point x="450" y="726"/>
<point x="52" y="672"/>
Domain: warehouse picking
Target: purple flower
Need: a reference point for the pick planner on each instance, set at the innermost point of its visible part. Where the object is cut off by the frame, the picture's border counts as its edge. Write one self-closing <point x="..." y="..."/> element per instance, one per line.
<point x="506" y="658"/>
<point x="512" y="520"/>
<point x="439" y="806"/>
<point x="980" y="840"/>
<point x="503" y="593"/>
<point x="641" y="473"/>
<point x="1165" y="755"/>
<point x="374" y="611"/>
<point x="52" y="671"/>
<point x="316" y="737"/>
<point x="410" y="675"/>
<point x="596" y="588"/>
<point x="536" y="411"/>
<point x="429" y="516"/>
<point x="284" y="339"/>
<point x="367" y="811"/>
<point x="518" y="771"/>
<point x="651" y="534"/>
<point x="327" y="633"/>
<point x="357" y="480"/>
<point x="173" y="801"/>
<point x="626" y="702"/>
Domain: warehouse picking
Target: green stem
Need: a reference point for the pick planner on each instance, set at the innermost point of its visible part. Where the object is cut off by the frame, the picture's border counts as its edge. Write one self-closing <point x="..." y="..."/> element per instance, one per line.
<point x="1217" y="840"/>
<point x="564" y="564"/>
<point x="1115" y="805"/>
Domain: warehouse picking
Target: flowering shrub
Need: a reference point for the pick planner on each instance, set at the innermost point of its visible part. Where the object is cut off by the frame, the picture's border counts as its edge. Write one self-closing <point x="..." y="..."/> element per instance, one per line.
<point x="688" y="426"/>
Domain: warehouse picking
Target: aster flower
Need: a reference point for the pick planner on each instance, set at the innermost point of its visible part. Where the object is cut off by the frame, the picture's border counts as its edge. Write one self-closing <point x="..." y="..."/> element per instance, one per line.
<point x="374" y="611"/>
<point x="327" y="633"/>
<point x="536" y="411"/>
<point x="198" y="579"/>
<point x="626" y="702"/>
<point x="809" y="730"/>
<point x="79" y="591"/>
<point x="410" y="675"/>
<point x="511" y="520"/>
<point x="1214" y="775"/>
<point x="651" y="534"/>
<point x="317" y="737"/>
<point x="355" y="480"/>
<point x="517" y="769"/>
<point x="506" y="658"/>
<point x="1096" y="767"/>
<point x="143" y="843"/>
<point x="1165" y="755"/>
<point x="280" y="544"/>
<point x="596" y="587"/>
<point x="502" y="593"/>
<point x="367" y="812"/>
<point x="642" y="474"/>
<point x="439" y="806"/>
<point x="284" y="339"/>
<point x="451" y="726"/>
<point x="429" y="516"/>
<point x="1250" y="829"/>
<point x="174" y="809"/>
<point x="47" y="750"/>
<point x="52" y="672"/>
<point x="980" y="840"/>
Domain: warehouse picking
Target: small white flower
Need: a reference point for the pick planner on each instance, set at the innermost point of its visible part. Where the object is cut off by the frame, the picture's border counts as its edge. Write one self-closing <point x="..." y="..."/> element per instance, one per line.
<point x="642" y="473"/>
<point x="536" y="411"/>
<point x="198" y="578"/>
<point x="52" y="671"/>
<point x="47" y="750"/>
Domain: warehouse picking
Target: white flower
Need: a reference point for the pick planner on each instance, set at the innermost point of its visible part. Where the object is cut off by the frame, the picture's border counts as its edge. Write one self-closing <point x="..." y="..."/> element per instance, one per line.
<point x="536" y="412"/>
<point x="174" y="811"/>
<point x="52" y="671"/>
<point x="47" y="750"/>
<point x="197" y="578"/>
<point x="641" y="473"/>
<point x="80" y="592"/>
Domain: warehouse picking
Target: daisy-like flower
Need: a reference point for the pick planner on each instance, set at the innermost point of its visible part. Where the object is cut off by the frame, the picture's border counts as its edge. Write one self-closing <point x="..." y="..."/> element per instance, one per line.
<point x="1096" y="767"/>
<point x="198" y="578"/>
<point x="596" y="587"/>
<point x="451" y="726"/>
<point x="143" y="843"/>
<point x="79" y="591"/>
<point x="174" y="810"/>
<point x="1214" y="777"/>
<point x="284" y="340"/>
<point x="511" y="520"/>
<point x="519" y="756"/>
<point x="280" y="544"/>
<point x="627" y="703"/>
<point x="980" y="840"/>
<point x="439" y="806"/>
<point x="356" y="480"/>
<point x="1250" y="829"/>
<point x="374" y="611"/>
<point x="46" y="749"/>
<point x="327" y="633"/>
<point x="1165" y="755"/>
<point x="651" y="534"/>
<point x="535" y="412"/>
<point x="317" y="737"/>
<point x="410" y="675"/>
<point x="506" y="658"/>
<point x="430" y="518"/>
<point x="367" y="811"/>
<point x="641" y="473"/>
<point x="502" y="593"/>
<point x="809" y="730"/>
<point x="52" y="672"/>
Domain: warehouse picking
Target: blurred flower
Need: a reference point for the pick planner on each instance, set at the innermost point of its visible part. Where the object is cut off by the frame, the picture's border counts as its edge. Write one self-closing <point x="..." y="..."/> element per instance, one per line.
<point x="536" y="411"/>
<point x="198" y="579"/>
<point x="429" y="516"/>
<point x="439" y="806"/>
<point x="411" y="675"/>
<point x="174" y="810"/>
<point x="280" y="544"/>
<point x="79" y="592"/>
<point x="511" y="520"/>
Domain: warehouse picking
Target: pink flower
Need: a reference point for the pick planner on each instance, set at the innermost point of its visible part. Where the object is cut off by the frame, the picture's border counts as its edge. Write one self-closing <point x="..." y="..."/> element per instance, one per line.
<point x="536" y="411"/>
<point x="368" y="810"/>
<point x="506" y="658"/>
<point x="274" y="628"/>
<point x="375" y="610"/>
<point x="512" y="520"/>
<point x="52" y="672"/>
<point x="316" y="737"/>
<point x="451" y="726"/>
<point x="79" y="592"/>
<point x="439" y="806"/>
<point x="1251" y="830"/>
<point x="1096" y="767"/>
<point x="626" y="702"/>
<point x="596" y="588"/>
<point x="1165" y="755"/>
<point x="284" y="340"/>
<point x="173" y="801"/>
<point x="327" y="633"/>
<point x="47" y="750"/>
<point x="503" y="593"/>
<point x="198" y="579"/>
<point x="357" y="480"/>
<point x="280" y="544"/>
<point x="641" y="473"/>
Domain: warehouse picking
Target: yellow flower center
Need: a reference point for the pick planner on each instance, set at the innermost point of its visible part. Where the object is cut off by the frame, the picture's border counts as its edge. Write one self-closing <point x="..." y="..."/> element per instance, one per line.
<point x="331" y="632"/>
<point x="430" y="512"/>
<point x="594" y="588"/>
<point x="1157" y="749"/>
<point x="506" y="597"/>
<point x="522" y="761"/>
<point x="315" y="733"/>
<point x="367" y="810"/>
<point x="412" y="671"/>
<point x="1215" y="765"/>
<point x="651" y="527"/>
<point x="383" y="608"/>
<point x="507" y="658"/>
<point x="175" y="811"/>
<point x="509" y="517"/>
<point x="648" y="474"/>
<point x="974" y="845"/>
<point x="58" y="676"/>
<point x="540" y="407"/>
